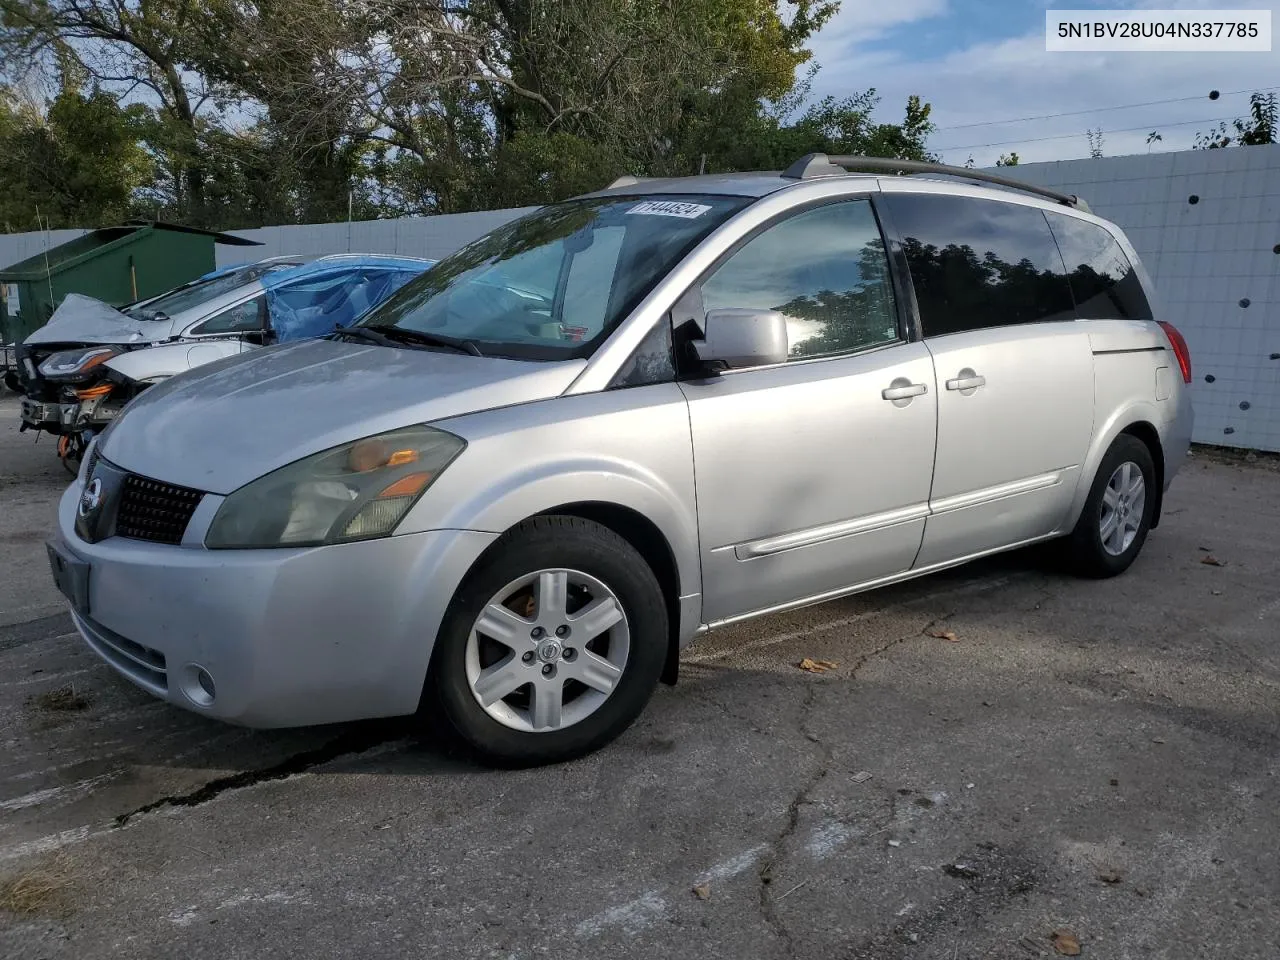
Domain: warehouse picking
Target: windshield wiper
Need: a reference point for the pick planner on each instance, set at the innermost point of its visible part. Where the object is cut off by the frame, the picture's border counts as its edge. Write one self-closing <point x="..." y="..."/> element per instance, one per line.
<point x="430" y="339"/>
<point x="364" y="333"/>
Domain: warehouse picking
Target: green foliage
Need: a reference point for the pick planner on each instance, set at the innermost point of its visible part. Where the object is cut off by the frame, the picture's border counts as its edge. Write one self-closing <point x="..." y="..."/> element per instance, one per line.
<point x="77" y="162"/>
<point x="1008" y="159"/>
<point x="1258" y="128"/>
<point x="1095" y="138"/>
<point x="240" y="113"/>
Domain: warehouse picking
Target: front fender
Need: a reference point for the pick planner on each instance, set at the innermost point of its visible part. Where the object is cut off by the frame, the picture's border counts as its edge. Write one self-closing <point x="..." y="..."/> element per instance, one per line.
<point x="626" y="448"/>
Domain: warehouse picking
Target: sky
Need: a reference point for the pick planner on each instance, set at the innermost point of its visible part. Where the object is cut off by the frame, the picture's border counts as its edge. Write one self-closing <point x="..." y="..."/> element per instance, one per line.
<point x="980" y="62"/>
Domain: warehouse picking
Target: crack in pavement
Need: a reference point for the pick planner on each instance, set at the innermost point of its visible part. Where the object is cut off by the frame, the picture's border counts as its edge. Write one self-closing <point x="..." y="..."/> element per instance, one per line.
<point x="350" y="743"/>
<point x="768" y="906"/>
<point x="884" y="648"/>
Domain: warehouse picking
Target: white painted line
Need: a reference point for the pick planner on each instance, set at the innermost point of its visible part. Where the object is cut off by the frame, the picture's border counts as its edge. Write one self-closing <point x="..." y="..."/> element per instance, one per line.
<point x="733" y="866"/>
<point x="55" y="841"/>
<point x="48" y="677"/>
<point x="70" y="790"/>
<point x="631" y="916"/>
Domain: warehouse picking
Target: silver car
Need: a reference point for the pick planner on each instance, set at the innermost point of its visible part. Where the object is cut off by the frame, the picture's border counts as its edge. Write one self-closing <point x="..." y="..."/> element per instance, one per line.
<point x="516" y="490"/>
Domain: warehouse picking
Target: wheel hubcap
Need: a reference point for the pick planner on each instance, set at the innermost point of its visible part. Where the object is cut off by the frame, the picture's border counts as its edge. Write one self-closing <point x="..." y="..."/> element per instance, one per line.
<point x="547" y="650"/>
<point x="1124" y="503"/>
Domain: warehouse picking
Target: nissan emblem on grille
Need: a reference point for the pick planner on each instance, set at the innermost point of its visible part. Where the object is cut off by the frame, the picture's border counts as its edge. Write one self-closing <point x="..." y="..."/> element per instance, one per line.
<point x="91" y="499"/>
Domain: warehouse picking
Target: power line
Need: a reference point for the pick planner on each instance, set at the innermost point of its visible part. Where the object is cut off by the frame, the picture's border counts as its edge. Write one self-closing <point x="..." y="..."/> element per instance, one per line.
<point x="1068" y="136"/>
<point x="1078" y="113"/>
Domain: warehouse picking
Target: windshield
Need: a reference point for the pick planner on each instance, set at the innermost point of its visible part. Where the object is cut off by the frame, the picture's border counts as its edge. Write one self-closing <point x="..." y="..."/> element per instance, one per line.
<point x="554" y="284"/>
<point x="193" y="294"/>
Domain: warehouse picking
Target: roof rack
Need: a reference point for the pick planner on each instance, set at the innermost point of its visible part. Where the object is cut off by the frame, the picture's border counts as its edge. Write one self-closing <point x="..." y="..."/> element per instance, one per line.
<point x="820" y="165"/>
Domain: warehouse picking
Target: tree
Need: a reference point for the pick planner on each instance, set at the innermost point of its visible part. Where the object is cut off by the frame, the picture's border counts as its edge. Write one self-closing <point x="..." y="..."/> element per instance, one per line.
<point x="1258" y="128"/>
<point x="1095" y="143"/>
<point x="276" y="111"/>
<point x="154" y="47"/>
<point x="75" y="160"/>
<point x="1008" y="160"/>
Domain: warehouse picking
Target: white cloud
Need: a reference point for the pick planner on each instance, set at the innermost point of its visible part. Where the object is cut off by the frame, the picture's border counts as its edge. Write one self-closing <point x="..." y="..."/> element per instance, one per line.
<point x="860" y="22"/>
<point x="1015" y="77"/>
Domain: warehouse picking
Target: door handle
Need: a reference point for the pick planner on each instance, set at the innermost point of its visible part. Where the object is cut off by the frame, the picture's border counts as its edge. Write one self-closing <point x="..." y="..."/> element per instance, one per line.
<point x="904" y="392"/>
<point x="970" y="382"/>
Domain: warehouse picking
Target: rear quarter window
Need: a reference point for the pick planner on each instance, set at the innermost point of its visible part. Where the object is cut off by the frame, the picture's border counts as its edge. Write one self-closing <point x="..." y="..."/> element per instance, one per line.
<point x="1103" y="281"/>
<point x="978" y="263"/>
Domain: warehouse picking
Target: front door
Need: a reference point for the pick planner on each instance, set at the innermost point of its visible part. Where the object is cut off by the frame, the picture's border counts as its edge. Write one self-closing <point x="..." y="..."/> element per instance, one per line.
<point x="812" y="476"/>
<point x="1014" y="370"/>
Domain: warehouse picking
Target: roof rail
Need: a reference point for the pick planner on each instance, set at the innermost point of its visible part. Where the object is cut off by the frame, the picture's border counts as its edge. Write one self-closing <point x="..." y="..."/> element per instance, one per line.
<point x="820" y="165"/>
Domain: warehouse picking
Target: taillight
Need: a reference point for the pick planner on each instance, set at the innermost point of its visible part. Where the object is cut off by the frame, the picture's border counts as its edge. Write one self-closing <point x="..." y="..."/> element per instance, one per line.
<point x="1179" y="349"/>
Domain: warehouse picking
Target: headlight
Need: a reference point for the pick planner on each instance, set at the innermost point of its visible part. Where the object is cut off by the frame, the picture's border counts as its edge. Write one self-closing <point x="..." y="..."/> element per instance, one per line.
<point x="73" y="365"/>
<point x="356" y="491"/>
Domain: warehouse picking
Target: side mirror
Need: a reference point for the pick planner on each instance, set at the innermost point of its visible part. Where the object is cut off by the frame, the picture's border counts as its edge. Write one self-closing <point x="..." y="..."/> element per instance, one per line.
<point x="742" y="337"/>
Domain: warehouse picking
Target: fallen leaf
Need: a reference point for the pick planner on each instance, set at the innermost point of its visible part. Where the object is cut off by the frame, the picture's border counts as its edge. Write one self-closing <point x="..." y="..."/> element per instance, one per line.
<point x="817" y="666"/>
<point x="1210" y="560"/>
<point x="1111" y="876"/>
<point x="702" y="891"/>
<point x="1157" y="739"/>
<point x="948" y="635"/>
<point x="1066" y="943"/>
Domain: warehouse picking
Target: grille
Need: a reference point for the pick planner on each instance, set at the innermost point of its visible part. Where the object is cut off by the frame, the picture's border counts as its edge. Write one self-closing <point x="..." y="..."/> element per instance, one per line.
<point x="151" y="510"/>
<point x="91" y="461"/>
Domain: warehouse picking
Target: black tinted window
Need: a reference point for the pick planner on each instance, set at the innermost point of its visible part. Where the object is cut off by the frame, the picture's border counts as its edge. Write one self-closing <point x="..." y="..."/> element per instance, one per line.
<point x="980" y="263"/>
<point x="1103" y="280"/>
<point x="825" y="270"/>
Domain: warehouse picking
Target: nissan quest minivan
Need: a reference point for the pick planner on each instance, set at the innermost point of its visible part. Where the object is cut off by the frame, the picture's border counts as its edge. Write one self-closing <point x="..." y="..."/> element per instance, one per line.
<point x="514" y="491"/>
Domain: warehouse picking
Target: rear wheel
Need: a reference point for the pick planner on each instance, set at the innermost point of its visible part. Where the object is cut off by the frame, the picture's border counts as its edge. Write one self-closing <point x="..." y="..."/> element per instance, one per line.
<point x="553" y="646"/>
<point x="1117" y="516"/>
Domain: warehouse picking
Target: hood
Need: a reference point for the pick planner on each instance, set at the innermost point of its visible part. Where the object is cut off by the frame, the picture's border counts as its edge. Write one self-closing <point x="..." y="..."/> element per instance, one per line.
<point x="229" y="422"/>
<point x="81" y="319"/>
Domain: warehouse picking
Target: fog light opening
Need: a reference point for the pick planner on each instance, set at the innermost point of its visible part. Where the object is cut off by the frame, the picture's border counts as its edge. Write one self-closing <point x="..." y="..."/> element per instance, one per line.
<point x="198" y="685"/>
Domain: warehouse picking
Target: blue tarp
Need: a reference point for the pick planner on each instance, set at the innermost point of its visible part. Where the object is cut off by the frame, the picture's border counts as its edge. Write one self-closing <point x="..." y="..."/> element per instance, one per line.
<point x="313" y="299"/>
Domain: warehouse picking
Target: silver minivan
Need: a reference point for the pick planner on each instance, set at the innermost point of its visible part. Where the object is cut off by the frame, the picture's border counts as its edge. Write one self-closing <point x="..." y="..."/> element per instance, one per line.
<point x="518" y="488"/>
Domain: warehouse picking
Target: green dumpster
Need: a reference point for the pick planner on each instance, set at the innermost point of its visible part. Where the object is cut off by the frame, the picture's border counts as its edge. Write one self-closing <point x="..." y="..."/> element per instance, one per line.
<point x="118" y="265"/>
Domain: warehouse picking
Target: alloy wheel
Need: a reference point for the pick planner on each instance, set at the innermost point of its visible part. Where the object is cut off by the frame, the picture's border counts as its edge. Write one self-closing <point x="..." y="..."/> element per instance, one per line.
<point x="1123" y="506"/>
<point x="547" y="650"/>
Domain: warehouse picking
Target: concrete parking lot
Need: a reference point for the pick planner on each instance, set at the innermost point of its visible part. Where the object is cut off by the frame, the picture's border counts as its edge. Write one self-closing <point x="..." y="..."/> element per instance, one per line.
<point x="999" y="755"/>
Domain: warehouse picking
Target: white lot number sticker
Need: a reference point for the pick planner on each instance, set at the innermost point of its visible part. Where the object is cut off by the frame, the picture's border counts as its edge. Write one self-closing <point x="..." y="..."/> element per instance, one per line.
<point x="670" y="208"/>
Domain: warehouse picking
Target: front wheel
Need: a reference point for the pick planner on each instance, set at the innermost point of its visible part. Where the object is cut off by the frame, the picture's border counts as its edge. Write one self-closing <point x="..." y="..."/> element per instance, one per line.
<point x="552" y="646"/>
<point x="1117" y="516"/>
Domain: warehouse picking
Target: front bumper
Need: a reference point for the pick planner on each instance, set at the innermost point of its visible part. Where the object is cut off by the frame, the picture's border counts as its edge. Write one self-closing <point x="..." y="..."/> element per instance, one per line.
<point x="43" y="415"/>
<point x="289" y="637"/>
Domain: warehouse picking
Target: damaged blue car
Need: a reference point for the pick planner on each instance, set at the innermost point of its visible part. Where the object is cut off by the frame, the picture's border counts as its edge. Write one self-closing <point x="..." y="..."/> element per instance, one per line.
<point x="78" y="371"/>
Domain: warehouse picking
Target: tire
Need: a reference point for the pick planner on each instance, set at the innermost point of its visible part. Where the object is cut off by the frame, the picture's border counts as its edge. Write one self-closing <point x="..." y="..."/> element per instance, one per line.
<point x="74" y="453"/>
<point x="1089" y="553"/>
<point x="602" y="574"/>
